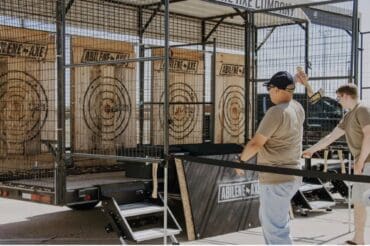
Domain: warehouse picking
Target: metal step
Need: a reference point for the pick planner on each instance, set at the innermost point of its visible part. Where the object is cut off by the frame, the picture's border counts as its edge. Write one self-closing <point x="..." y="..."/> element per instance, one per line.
<point x="321" y="204"/>
<point x="153" y="233"/>
<point x="139" y="208"/>
<point x="308" y="187"/>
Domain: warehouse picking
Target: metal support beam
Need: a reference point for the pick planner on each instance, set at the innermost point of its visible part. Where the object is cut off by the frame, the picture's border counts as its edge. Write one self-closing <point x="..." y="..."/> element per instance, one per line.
<point x="247" y="46"/>
<point x="166" y="112"/>
<point x="143" y="28"/>
<point x="69" y="5"/>
<point x="179" y="45"/>
<point x="118" y="158"/>
<point x="60" y="170"/>
<point x="315" y="78"/>
<point x="221" y="16"/>
<point x="281" y="25"/>
<point x="214" y="29"/>
<point x="162" y="1"/>
<point x="203" y="33"/>
<point x="141" y="75"/>
<point x="253" y="65"/>
<point x="213" y="92"/>
<point x="265" y="39"/>
<point x="361" y="63"/>
<point x="355" y="32"/>
<point x="240" y="13"/>
<point x="306" y="67"/>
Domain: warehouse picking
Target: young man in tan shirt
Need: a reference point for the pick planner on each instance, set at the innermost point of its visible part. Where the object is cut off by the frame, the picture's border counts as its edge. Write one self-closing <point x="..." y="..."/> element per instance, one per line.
<point x="355" y="124"/>
<point x="277" y="142"/>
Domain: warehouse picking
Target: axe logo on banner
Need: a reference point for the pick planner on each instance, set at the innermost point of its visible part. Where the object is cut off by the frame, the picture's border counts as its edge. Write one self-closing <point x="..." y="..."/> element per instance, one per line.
<point x="230" y="192"/>
<point x="27" y="50"/>
<point x="261" y="4"/>
<point x="101" y="56"/>
<point x="232" y="70"/>
<point x="182" y="65"/>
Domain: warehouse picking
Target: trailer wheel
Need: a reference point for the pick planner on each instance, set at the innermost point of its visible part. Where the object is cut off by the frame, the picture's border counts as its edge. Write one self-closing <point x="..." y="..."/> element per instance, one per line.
<point x="83" y="206"/>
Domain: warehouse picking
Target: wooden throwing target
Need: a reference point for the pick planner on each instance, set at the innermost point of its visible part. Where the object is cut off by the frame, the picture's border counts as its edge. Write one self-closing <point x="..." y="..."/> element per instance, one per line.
<point x="103" y="102"/>
<point x="27" y="91"/>
<point x="24" y="107"/>
<point x="109" y="117"/>
<point x="185" y="90"/>
<point x="231" y="108"/>
<point x="183" y="110"/>
<point x="230" y="99"/>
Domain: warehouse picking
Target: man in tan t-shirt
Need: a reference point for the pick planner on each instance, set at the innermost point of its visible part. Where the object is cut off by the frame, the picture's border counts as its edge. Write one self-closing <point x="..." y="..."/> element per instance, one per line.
<point x="355" y="124"/>
<point x="277" y="142"/>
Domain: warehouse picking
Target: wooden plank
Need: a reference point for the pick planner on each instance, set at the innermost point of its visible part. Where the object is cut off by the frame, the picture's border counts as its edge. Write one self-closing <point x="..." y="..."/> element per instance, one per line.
<point x="26" y="162"/>
<point x="27" y="86"/>
<point x="230" y="98"/>
<point x="103" y="103"/>
<point x="186" y="90"/>
<point x="185" y="200"/>
<point x="221" y="202"/>
<point x="3" y="70"/>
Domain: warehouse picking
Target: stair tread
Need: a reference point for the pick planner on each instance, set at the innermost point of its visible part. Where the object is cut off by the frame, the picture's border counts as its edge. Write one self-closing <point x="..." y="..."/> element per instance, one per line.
<point x="321" y="204"/>
<point x="153" y="233"/>
<point x="307" y="187"/>
<point x="139" y="208"/>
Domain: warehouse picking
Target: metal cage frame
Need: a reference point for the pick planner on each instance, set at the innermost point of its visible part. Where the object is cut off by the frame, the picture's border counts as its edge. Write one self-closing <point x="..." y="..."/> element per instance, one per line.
<point x="207" y="39"/>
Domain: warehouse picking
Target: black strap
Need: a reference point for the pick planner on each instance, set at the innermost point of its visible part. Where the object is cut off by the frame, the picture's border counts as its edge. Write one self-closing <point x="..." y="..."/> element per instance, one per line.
<point x="277" y="170"/>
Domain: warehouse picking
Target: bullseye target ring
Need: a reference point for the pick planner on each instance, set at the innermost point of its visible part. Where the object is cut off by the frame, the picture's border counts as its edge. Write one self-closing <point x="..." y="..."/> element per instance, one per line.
<point x="183" y="110"/>
<point x="23" y="107"/>
<point x="231" y="110"/>
<point x="107" y="107"/>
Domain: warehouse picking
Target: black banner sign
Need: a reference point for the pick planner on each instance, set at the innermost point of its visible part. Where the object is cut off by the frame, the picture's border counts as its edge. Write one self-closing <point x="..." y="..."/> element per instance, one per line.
<point x="230" y="192"/>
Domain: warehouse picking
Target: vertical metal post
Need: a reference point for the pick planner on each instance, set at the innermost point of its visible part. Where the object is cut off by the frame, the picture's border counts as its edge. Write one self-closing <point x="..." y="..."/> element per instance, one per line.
<point x="255" y="67"/>
<point x="203" y="30"/>
<point x="60" y="170"/>
<point x="361" y="63"/>
<point x="306" y="67"/>
<point x="349" y="192"/>
<point x="247" y="75"/>
<point x="213" y="93"/>
<point x="253" y="42"/>
<point x="165" y="113"/>
<point x="141" y="76"/>
<point x="354" y="56"/>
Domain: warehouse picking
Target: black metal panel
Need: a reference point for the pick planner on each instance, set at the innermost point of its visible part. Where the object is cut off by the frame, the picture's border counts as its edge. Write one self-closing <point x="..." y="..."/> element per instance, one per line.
<point x="128" y="192"/>
<point x="221" y="201"/>
<point x="329" y="19"/>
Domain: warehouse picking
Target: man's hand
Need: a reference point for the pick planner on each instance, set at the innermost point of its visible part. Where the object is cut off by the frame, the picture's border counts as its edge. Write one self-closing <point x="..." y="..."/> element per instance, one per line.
<point x="358" y="168"/>
<point x="307" y="154"/>
<point x="301" y="76"/>
<point x="239" y="172"/>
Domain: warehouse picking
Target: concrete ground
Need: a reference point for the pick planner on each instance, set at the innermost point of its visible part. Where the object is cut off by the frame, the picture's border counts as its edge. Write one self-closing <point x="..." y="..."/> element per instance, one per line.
<point x="31" y="223"/>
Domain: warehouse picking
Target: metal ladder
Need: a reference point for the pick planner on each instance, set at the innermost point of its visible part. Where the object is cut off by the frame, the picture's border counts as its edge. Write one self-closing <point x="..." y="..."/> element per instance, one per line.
<point x="119" y="216"/>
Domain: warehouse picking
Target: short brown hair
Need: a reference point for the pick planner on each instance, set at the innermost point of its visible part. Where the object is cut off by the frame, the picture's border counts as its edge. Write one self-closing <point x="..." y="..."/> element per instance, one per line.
<point x="348" y="89"/>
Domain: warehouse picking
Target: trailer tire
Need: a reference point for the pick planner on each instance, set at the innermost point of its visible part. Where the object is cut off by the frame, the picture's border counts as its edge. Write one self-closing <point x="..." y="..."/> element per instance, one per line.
<point x="83" y="206"/>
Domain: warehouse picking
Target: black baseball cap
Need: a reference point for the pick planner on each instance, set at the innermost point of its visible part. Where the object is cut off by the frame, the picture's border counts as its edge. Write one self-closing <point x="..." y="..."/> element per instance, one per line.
<point x="282" y="80"/>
